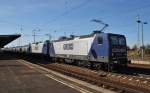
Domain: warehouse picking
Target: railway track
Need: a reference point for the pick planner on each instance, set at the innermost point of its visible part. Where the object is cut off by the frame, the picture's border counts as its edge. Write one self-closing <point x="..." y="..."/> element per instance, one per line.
<point x="141" y="70"/>
<point x="144" y="66"/>
<point x="116" y="82"/>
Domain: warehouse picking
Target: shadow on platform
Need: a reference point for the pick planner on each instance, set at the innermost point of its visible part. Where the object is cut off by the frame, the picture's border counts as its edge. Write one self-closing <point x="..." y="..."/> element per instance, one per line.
<point x="8" y="56"/>
<point x="39" y="59"/>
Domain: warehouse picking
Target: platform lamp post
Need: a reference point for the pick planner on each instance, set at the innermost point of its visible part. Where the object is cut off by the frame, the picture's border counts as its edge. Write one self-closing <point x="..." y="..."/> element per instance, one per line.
<point x="138" y="35"/>
<point x="142" y="51"/>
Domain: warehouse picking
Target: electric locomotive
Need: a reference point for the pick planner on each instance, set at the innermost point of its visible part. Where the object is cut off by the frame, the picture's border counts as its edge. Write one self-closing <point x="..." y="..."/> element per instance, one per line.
<point x="102" y="50"/>
<point x="97" y="50"/>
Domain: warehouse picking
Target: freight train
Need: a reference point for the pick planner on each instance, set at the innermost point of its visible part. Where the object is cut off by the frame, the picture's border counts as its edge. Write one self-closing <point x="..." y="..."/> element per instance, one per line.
<point x="98" y="50"/>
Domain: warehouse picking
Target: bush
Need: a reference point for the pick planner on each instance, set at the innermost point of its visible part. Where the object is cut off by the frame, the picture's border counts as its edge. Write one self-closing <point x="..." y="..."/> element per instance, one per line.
<point x="147" y="49"/>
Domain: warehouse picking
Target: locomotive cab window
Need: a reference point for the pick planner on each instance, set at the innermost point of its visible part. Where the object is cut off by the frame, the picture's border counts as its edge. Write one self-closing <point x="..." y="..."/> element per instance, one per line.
<point x="114" y="40"/>
<point x="100" y="40"/>
<point x="122" y="41"/>
<point x="118" y="40"/>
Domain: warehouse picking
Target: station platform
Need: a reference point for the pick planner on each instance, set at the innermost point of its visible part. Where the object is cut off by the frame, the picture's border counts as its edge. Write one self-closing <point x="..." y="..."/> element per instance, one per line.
<point x="16" y="77"/>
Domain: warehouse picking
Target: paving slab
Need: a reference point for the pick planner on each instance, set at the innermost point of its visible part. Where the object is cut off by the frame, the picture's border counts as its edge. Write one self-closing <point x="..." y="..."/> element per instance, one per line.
<point x="16" y="77"/>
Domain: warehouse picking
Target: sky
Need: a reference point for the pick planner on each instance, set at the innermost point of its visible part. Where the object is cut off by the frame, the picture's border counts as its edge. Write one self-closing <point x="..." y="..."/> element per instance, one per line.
<point x="65" y="17"/>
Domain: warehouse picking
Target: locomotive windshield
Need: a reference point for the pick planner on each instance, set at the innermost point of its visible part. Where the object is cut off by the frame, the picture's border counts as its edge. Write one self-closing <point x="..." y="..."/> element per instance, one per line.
<point x="118" y="40"/>
<point x="122" y="41"/>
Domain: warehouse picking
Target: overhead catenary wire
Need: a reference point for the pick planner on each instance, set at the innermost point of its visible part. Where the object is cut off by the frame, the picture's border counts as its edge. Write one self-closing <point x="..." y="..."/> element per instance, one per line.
<point x="69" y="11"/>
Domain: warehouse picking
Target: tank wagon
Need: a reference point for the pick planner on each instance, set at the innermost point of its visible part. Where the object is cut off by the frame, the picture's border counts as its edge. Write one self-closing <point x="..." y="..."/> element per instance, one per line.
<point x="98" y="50"/>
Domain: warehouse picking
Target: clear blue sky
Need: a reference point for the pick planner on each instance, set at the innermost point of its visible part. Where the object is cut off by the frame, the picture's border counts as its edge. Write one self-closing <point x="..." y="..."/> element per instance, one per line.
<point x="72" y="16"/>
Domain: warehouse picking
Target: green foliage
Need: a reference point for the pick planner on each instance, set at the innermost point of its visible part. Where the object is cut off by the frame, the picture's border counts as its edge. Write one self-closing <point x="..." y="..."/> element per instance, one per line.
<point x="134" y="47"/>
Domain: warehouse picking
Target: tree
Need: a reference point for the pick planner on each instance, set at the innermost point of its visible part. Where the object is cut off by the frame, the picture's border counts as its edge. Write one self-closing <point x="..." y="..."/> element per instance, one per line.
<point x="147" y="46"/>
<point x="134" y="47"/>
<point x="128" y="48"/>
